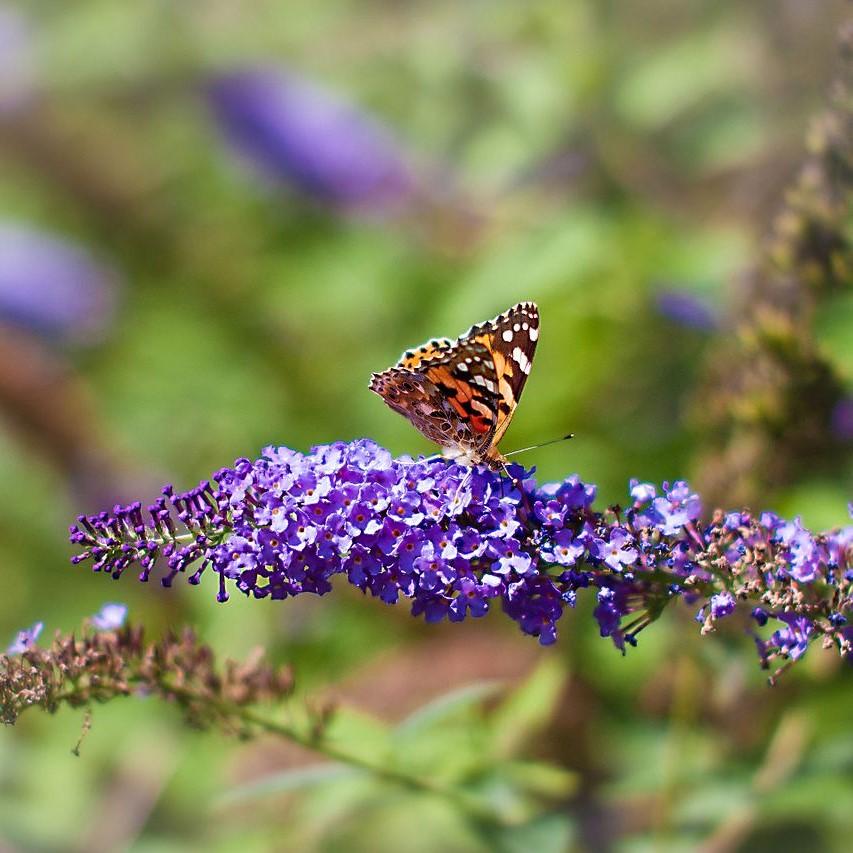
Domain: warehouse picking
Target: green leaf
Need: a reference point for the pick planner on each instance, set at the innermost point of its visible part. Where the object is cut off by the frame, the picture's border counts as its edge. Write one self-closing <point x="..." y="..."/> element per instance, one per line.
<point x="290" y="780"/>
<point x="543" y="780"/>
<point x="446" y="705"/>
<point x="551" y="833"/>
<point x="529" y="708"/>
<point x="832" y="326"/>
<point x="357" y="734"/>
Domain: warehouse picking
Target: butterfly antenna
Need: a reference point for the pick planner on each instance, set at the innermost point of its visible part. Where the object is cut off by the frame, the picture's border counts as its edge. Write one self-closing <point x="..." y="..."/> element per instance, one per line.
<point x="516" y="484"/>
<point x="543" y="444"/>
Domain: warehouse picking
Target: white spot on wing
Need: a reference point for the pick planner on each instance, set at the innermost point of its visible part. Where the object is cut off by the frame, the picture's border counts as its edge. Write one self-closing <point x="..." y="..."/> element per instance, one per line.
<point x="533" y="333"/>
<point x="507" y="335"/>
<point x="521" y="359"/>
<point x="485" y="383"/>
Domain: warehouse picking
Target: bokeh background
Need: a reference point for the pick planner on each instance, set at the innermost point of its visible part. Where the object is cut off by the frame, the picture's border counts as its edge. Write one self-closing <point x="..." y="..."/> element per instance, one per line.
<point x="217" y="219"/>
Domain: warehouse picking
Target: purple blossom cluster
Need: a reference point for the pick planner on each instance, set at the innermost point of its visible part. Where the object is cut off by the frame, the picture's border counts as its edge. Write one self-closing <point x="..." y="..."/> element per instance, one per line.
<point x="458" y="541"/>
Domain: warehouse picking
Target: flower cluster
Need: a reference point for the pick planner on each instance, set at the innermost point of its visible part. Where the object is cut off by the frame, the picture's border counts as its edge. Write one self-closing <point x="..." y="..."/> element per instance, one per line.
<point x="109" y="660"/>
<point x="458" y="541"/>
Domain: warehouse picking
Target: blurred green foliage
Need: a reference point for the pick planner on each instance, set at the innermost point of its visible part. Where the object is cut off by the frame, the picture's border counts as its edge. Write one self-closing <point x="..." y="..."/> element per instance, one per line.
<point x="595" y="154"/>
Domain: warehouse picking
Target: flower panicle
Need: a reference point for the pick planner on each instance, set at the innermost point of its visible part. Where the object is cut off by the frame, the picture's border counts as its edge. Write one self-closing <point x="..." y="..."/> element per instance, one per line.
<point x="457" y="542"/>
<point x="103" y="663"/>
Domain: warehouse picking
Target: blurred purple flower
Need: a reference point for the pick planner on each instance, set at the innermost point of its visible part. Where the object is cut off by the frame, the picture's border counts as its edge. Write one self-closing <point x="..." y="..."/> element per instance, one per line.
<point x="110" y="617"/>
<point x="688" y="310"/>
<point x="25" y="639"/>
<point x="295" y="132"/>
<point x="52" y="287"/>
<point x="841" y="420"/>
<point x="16" y="60"/>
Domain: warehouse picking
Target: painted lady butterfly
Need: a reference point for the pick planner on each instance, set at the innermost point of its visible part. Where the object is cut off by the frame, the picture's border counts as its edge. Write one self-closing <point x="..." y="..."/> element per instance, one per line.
<point x="462" y="394"/>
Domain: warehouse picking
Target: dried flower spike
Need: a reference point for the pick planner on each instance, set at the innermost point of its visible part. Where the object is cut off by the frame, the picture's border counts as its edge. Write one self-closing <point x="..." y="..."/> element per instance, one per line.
<point x="100" y="665"/>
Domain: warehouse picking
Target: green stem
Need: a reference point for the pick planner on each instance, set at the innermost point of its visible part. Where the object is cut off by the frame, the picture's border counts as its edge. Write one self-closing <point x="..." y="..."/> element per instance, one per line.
<point x="472" y="805"/>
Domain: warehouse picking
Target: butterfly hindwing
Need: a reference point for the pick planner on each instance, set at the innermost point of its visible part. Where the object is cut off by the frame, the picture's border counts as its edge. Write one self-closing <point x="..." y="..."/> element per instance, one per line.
<point x="433" y="350"/>
<point x="417" y="398"/>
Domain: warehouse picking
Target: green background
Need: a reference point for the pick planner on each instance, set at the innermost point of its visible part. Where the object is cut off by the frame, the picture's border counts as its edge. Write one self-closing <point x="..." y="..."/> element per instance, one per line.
<point x="252" y="316"/>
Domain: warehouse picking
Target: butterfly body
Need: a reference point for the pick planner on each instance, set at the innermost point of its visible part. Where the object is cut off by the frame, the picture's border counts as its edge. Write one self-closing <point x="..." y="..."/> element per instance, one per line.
<point x="462" y="394"/>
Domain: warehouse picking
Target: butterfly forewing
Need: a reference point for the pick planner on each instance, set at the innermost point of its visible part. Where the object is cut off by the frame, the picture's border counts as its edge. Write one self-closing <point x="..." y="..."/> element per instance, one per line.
<point x="511" y="339"/>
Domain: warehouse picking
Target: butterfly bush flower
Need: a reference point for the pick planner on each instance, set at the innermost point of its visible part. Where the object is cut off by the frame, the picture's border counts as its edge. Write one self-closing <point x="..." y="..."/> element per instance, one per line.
<point x="110" y="617"/>
<point x="53" y="287"/>
<point x="686" y="309"/>
<point x="457" y="542"/>
<point x="107" y="660"/>
<point x="293" y="131"/>
<point x="25" y="639"/>
<point x="841" y="419"/>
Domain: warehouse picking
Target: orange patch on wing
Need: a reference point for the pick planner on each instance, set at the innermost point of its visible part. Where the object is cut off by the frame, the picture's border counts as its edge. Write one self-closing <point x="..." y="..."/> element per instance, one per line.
<point x="479" y="424"/>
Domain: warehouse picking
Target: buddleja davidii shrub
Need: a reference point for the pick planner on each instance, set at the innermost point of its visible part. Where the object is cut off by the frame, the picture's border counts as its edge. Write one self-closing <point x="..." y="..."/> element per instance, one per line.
<point x="458" y="542"/>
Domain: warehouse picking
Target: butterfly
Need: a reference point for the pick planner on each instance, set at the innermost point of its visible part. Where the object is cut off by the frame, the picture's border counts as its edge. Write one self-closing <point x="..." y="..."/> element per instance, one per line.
<point x="462" y="394"/>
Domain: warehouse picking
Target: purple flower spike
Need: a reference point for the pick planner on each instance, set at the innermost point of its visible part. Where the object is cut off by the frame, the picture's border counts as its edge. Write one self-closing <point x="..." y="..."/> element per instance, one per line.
<point x="294" y="132"/>
<point x="52" y="287"/>
<point x="288" y="523"/>
<point x="687" y="310"/>
<point x="110" y="617"/>
<point x="25" y="639"/>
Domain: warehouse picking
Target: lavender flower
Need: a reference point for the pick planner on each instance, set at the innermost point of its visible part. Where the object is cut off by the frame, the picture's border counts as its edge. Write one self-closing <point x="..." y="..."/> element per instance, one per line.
<point x="293" y="131"/>
<point x="53" y="287"/>
<point x="457" y="542"/>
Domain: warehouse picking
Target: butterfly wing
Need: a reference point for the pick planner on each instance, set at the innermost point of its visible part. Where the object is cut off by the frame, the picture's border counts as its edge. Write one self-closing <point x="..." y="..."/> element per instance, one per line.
<point x="417" y="398"/>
